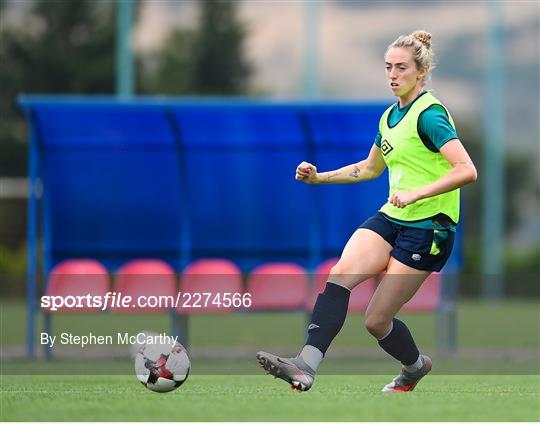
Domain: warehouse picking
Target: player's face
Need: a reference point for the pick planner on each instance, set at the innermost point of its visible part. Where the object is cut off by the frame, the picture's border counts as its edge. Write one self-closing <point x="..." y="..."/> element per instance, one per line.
<point x="401" y="71"/>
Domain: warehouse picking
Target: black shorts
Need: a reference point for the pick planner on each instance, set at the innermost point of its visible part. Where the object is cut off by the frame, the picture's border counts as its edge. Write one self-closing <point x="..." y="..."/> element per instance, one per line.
<point x="418" y="248"/>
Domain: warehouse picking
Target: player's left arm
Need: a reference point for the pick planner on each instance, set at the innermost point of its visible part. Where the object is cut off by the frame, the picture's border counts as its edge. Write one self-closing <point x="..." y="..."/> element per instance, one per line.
<point x="463" y="172"/>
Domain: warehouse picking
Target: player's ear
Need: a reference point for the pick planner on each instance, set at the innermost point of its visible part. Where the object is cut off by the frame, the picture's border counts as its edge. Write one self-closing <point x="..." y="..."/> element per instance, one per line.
<point x="422" y="73"/>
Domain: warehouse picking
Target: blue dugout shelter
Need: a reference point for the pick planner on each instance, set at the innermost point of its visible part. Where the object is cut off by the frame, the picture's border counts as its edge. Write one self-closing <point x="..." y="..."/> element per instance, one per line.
<point x="179" y="179"/>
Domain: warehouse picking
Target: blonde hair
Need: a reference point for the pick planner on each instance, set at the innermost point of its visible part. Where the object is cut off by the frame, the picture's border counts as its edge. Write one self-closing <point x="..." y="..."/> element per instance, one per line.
<point x="420" y="44"/>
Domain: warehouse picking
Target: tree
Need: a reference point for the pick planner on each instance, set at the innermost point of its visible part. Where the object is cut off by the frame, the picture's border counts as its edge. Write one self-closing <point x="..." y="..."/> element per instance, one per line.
<point x="219" y="64"/>
<point x="170" y="70"/>
<point x="207" y="60"/>
<point x="63" y="47"/>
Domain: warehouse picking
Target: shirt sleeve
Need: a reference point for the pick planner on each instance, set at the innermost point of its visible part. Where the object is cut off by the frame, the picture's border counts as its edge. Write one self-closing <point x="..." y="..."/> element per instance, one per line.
<point x="435" y="127"/>
<point x="378" y="139"/>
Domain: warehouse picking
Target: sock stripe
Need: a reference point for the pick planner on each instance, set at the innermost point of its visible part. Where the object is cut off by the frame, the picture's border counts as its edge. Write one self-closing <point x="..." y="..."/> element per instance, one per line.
<point x="389" y="331"/>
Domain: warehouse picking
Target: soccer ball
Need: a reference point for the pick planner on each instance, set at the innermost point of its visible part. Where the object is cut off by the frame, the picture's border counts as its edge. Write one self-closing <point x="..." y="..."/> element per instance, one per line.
<point x="162" y="367"/>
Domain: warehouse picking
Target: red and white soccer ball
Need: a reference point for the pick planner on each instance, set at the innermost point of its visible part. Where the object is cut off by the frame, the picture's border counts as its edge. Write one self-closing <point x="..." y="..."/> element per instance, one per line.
<point x="162" y="367"/>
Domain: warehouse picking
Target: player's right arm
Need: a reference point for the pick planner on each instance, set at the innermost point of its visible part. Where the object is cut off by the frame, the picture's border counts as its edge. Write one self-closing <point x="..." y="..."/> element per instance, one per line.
<point x="365" y="170"/>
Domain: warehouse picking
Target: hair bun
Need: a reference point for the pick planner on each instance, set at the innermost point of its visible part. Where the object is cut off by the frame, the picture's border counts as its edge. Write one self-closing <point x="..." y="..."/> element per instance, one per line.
<point x="424" y="37"/>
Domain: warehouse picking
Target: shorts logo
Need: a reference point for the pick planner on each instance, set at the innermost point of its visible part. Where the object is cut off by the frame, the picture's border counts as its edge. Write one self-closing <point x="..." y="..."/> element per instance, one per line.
<point x="416" y="257"/>
<point x="386" y="147"/>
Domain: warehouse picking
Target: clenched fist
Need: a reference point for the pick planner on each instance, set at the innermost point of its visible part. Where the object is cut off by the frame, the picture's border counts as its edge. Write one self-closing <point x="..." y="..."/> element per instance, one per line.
<point x="307" y="173"/>
<point x="400" y="199"/>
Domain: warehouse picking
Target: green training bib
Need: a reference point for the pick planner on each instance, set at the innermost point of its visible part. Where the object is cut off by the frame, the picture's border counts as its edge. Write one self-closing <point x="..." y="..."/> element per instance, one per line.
<point x="411" y="164"/>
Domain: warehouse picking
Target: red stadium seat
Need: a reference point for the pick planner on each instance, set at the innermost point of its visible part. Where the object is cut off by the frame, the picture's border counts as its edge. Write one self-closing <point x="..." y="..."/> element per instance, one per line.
<point x="428" y="296"/>
<point x="360" y="296"/>
<point x="209" y="283"/>
<point x="278" y="286"/>
<point x="151" y="281"/>
<point x="77" y="277"/>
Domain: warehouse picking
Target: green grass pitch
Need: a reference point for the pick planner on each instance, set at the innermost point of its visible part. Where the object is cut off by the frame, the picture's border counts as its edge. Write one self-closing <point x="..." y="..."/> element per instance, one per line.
<point x="261" y="398"/>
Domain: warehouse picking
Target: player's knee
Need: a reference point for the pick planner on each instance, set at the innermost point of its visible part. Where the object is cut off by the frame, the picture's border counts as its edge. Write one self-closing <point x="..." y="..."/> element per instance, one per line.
<point x="342" y="274"/>
<point x="347" y="275"/>
<point x="376" y="325"/>
<point x="343" y="270"/>
<point x="336" y="270"/>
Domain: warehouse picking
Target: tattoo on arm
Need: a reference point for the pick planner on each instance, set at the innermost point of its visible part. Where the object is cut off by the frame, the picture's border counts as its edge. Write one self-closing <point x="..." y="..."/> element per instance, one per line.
<point x="332" y="175"/>
<point x="355" y="173"/>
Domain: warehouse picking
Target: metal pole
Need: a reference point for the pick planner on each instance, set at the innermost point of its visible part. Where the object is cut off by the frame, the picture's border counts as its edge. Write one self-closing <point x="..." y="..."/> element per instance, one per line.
<point x="310" y="89"/>
<point x="310" y="80"/>
<point x="493" y="169"/>
<point x="124" y="48"/>
<point x="446" y="328"/>
<point x="32" y="240"/>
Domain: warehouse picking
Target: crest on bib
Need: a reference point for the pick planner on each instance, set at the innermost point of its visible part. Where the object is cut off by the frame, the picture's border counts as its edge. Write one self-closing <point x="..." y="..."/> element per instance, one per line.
<point x="386" y="147"/>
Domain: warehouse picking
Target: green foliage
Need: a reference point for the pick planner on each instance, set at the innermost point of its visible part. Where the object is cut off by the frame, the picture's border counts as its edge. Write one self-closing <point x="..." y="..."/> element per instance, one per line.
<point x="61" y="47"/>
<point x="524" y="261"/>
<point x="219" y="65"/>
<point x="521" y="267"/>
<point x="207" y="60"/>
<point x="13" y="270"/>
<point x="12" y="261"/>
<point x="521" y="184"/>
<point x="71" y="49"/>
<point x="171" y="70"/>
<point x="521" y="271"/>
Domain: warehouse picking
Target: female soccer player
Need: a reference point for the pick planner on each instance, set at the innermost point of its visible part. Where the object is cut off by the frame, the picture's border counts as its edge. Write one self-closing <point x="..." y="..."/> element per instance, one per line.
<point x="409" y="237"/>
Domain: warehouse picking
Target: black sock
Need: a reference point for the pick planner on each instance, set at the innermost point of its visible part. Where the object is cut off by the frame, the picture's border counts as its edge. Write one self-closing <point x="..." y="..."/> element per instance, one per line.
<point x="400" y="344"/>
<point x="328" y="316"/>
